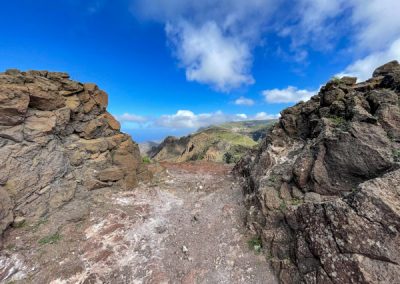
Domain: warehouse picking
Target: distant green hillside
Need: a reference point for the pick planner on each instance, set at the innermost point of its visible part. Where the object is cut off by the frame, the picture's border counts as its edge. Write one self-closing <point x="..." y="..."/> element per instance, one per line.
<point x="227" y="142"/>
<point x="255" y="129"/>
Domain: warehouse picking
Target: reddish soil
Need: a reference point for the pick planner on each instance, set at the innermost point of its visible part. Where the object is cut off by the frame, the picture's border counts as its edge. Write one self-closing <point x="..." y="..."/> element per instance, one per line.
<point x="185" y="227"/>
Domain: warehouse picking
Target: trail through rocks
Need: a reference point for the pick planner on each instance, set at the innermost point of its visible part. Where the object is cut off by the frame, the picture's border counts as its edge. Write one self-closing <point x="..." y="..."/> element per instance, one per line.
<point x="187" y="227"/>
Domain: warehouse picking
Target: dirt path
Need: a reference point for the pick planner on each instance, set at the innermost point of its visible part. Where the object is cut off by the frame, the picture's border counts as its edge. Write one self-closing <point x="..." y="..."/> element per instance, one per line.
<point x="186" y="228"/>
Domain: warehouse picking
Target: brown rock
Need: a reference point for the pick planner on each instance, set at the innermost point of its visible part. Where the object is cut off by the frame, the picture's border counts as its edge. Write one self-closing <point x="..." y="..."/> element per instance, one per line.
<point x="342" y="153"/>
<point x="72" y="103"/>
<point x="111" y="174"/>
<point x="329" y="96"/>
<point x="111" y="121"/>
<point x="101" y="99"/>
<point x="57" y="143"/>
<point x="45" y="97"/>
<point x="39" y="123"/>
<point x="6" y="207"/>
<point x="14" y="101"/>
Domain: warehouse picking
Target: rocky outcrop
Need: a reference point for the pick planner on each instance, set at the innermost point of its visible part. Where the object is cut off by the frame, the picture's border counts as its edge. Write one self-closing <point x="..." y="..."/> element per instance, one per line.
<point x="215" y="144"/>
<point x="57" y="144"/>
<point x="323" y="190"/>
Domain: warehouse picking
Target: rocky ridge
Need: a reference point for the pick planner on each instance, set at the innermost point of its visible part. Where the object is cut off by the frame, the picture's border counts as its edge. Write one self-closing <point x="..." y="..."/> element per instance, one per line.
<point x="57" y="144"/>
<point x="323" y="189"/>
<point x="226" y="142"/>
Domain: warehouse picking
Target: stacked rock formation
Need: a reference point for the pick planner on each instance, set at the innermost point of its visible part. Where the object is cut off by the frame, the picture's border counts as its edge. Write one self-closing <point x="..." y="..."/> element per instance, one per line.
<point x="57" y="143"/>
<point x="323" y="190"/>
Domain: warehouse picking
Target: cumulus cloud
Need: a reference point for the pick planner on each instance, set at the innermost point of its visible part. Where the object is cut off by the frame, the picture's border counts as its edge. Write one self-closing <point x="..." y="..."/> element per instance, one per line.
<point x="242" y="101"/>
<point x="128" y="117"/>
<point x="211" y="57"/>
<point x="265" y="116"/>
<point x="186" y="119"/>
<point x="377" y="23"/>
<point x="378" y="35"/>
<point x="363" y="68"/>
<point x="212" y="40"/>
<point x="369" y="27"/>
<point x="289" y="95"/>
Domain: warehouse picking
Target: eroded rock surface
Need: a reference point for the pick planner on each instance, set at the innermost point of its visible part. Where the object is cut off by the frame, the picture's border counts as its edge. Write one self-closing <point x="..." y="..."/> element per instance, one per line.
<point x="57" y="143"/>
<point x="323" y="189"/>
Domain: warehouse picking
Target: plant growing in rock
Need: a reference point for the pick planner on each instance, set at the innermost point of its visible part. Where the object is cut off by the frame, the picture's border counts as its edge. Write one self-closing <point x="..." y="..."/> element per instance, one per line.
<point x="335" y="80"/>
<point x="282" y="206"/>
<point x="296" y="201"/>
<point x="146" y="160"/>
<point x="255" y="244"/>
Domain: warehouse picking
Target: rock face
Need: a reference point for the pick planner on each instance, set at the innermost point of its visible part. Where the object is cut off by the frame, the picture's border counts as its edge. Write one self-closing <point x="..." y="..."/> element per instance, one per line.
<point x="57" y="143"/>
<point x="323" y="190"/>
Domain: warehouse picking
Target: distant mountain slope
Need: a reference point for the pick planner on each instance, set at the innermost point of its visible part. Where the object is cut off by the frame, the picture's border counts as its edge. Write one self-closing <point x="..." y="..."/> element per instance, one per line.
<point x="255" y="129"/>
<point x="146" y="148"/>
<point x="223" y="143"/>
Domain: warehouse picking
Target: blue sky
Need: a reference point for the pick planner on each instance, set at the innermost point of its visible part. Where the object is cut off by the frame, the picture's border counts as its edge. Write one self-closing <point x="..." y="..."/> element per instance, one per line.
<point x="172" y="66"/>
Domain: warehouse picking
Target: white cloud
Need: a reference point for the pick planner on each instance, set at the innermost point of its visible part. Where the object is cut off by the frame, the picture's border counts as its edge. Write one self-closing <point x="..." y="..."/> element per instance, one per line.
<point x="370" y="27"/>
<point x="244" y="101"/>
<point x="288" y="95"/>
<point x="314" y="25"/>
<point x="363" y="68"/>
<point x="186" y="119"/>
<point x="377" y="23"/>
<point x="378" y="35"/>
<point x="211" y="57"/>
<point x="213" y="40"/>
<point x="265" y="116"/>
<point x="128" y="117"/>
<point x="242" y="116"/>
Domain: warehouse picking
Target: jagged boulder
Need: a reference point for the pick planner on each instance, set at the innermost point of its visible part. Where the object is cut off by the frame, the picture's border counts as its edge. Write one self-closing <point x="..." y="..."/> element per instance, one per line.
<point x="323" y="189"/>
<point x="57" y="143"/>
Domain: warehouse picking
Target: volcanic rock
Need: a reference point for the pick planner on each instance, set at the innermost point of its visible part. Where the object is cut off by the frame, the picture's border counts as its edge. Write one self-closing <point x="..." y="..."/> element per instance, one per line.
<point x="57" y="143"/>
<point x="338" y="157"/>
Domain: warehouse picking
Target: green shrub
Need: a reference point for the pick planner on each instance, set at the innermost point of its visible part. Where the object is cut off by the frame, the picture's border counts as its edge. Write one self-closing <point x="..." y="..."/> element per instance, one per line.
<point x="146" y="160"/>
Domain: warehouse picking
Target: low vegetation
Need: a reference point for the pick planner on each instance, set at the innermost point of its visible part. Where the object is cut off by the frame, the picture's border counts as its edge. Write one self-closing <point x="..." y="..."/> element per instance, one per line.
<point x="146" y="160"/>
<point x="255" y="244"/>
<point x="51" y="239"/>
<point x="223" y="143"/>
